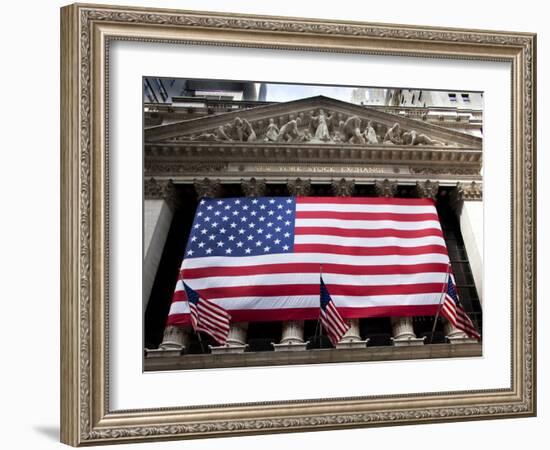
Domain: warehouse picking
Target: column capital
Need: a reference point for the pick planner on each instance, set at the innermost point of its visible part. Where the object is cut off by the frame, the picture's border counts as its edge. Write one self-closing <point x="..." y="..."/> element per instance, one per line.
<point x="427" y="189"/>
<point x="207" y="188"/>
<point x="154" y="189"/>
<point x="253" y="187"/>
<point x="342" y="187"/>
<point x="385" y="188"/>
<point x="299" y="187"/>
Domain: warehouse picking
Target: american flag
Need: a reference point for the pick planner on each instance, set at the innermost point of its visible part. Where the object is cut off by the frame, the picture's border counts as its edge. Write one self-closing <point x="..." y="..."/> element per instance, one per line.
<point x="454" y="312"/>
<point x="207" y="317"/>
<point x="331" y="320"/>
<point x="258" y="258"/>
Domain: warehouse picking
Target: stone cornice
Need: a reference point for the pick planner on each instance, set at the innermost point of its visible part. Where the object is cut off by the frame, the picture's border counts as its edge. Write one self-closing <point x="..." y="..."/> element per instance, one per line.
<point x="284" y="152"/>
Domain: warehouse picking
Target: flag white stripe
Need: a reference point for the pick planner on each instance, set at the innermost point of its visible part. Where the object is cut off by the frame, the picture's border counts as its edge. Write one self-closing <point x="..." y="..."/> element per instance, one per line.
<point x="319" y="258"/>
<point x="312" y="301"/>
<point x="368" y="224"/>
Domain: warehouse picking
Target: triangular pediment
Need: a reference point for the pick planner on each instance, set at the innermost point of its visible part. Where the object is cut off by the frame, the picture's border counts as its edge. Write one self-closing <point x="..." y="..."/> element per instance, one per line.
<point x="314" y="120"/>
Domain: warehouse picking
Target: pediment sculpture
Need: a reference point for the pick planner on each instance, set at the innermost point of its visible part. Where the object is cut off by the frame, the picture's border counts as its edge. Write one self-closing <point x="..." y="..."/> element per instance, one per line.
<point x="316" y="126"/>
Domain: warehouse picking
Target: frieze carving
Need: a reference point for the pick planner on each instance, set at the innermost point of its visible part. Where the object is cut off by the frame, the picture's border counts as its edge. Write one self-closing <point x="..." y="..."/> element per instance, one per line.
<point x="342" y="187"/>
<point x="177" y="167"/>
<point x="299" y="187"/>
<point x="427" y="189"/>
<point x="82" y="331"/>
<point x="444" y="171"/>
<point x="207" y="188"/>
<point x="385" y="188"/>
<point x="253" y="187"/>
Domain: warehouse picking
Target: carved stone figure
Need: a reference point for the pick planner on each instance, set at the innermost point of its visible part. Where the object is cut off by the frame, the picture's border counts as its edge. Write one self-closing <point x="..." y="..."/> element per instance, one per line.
<point x="321" y="131"/>
<point x="289" y="131"/>
<point x="393" y="135"/>
<point x="205" y="137"/>
<point x="221" y="133"/>
<point x="249" y="131"/>
<point x="414" y="138"/>
<point x="272" y="133"/>
<point x="370" y="134"/>
<point x="352" y="131"/>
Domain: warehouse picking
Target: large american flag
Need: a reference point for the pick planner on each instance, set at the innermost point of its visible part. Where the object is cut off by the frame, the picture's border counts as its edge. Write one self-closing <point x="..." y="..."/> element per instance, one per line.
<point x="454" y="312"/>
<point x="259" y="258"/>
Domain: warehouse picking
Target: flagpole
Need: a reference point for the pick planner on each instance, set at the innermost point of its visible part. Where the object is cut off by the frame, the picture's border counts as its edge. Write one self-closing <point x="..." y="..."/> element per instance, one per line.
<point x="440" y="301"/>
<point x="319" y="325"/>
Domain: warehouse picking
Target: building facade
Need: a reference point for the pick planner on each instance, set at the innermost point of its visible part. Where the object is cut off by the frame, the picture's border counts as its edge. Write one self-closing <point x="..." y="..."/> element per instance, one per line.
<point x="210" y="148"/>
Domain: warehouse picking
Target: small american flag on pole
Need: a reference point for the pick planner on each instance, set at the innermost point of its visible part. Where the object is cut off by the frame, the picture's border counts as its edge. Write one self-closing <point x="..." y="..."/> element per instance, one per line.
<point x="331" y="320"/>
<point x="454" y="312"/>
<point x="207" y="316"/>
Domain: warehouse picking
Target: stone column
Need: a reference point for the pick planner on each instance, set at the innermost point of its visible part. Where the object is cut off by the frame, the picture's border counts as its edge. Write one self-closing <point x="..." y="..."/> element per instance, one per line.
<point x="402" y="327"/>
<point x="253" y="187"/>
<point x="456" y="336"/>
<point x="174" y="342"/>
<point x="403" y="332"/>
<point x="467" y="202"/>
<point x="293" y="331"/>
<point x="352" y="338"/>
<point x="236" y="341"/>
<point x="158" y="211"/>
<point x="292" y="338"/>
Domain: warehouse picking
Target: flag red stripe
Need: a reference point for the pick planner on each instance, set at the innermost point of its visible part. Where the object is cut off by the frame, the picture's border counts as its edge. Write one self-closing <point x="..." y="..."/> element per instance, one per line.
<point x="368" y="233"/>
<point x="311" y="289"/>
<point x="263" y="315"/>
<point x="344" y="269"/>
<point x="369" y="251"/>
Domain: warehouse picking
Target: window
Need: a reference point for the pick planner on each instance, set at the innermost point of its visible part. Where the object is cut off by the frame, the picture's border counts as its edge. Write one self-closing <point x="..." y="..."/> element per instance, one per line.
<point x="465" y="98"/>
<point x="452" y="97"/>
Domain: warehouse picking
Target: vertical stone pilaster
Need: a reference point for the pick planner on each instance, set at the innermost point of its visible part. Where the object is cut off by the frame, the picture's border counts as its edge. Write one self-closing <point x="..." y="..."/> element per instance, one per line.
<point x="467" y="201"/>
<point x="160" y="203"/>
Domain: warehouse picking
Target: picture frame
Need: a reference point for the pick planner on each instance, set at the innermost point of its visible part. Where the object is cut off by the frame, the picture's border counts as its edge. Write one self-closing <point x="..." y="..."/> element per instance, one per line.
<point x="87" y="31"/>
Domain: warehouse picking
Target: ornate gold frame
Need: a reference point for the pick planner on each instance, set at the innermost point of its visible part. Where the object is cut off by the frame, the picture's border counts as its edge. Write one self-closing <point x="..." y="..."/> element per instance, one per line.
<point x="86" y="31"/>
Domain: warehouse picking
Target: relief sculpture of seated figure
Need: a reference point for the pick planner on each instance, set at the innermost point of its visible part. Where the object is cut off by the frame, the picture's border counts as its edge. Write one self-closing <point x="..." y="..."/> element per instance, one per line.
<point x="393" y="135"/>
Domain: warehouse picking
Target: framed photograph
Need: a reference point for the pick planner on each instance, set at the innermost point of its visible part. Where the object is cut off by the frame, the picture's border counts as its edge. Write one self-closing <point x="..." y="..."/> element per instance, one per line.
<point x="269" y="211"/>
